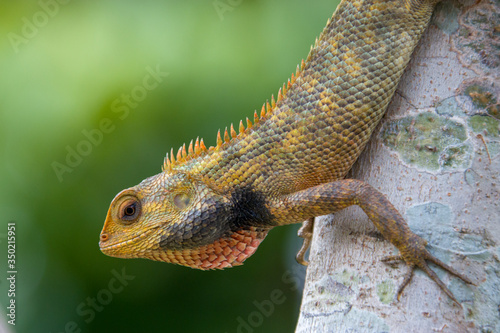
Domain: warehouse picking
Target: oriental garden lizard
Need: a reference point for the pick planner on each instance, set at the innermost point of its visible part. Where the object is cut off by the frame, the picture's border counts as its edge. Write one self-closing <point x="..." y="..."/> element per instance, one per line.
<point x="210" y="208"/>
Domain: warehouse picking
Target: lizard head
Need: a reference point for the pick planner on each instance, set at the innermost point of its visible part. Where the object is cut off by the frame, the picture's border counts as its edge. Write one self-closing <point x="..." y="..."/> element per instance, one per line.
<point x="174" y="217"/>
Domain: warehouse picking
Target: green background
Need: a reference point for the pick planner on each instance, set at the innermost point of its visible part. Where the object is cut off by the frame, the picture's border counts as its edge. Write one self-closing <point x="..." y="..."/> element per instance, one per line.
<point x="61" y="69"/>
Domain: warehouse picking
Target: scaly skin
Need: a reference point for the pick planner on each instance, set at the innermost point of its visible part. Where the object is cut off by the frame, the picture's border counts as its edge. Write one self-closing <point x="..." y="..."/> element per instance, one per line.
<point x="211" y="208"/>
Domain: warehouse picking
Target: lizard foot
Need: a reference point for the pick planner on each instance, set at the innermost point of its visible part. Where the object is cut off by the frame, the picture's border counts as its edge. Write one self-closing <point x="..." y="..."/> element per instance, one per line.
<point x="417" y="257"/>
<point x="306" y="232"/>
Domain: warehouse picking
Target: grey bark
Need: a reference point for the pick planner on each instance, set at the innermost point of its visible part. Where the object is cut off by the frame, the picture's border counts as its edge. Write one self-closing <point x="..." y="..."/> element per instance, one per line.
<point x="436" y="156"/>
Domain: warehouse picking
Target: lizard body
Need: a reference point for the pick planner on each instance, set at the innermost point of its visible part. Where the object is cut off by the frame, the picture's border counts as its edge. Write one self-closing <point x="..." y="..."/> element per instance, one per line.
<point x="211" y="208"/>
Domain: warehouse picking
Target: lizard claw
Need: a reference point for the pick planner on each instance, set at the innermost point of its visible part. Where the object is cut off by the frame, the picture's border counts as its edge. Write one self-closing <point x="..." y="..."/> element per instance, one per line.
<point x="418" y="259"/>
<point x="306" y="232"/>
<point x="406" y="281"/>
<point x="391" y="260"/>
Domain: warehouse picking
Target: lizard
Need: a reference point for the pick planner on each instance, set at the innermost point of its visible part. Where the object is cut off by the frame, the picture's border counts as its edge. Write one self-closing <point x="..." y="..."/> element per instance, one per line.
<point x="210" y="208"/>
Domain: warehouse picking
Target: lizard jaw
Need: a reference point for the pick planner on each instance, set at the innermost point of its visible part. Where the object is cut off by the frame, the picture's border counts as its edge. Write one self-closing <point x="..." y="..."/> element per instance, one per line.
<point x="119" y="249"/>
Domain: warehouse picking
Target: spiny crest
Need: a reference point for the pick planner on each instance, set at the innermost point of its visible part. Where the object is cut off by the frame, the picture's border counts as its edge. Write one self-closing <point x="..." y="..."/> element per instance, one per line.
<point x="198" y="148"/>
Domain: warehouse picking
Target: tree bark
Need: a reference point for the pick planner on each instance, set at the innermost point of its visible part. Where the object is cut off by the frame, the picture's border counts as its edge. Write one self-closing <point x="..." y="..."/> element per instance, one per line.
<point x="436" y="156"/>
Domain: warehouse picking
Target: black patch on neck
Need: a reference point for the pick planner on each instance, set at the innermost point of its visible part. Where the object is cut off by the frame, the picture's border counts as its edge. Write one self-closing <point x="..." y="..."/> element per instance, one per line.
<point x="246" y="209"/>
<point x="249" y="209"/>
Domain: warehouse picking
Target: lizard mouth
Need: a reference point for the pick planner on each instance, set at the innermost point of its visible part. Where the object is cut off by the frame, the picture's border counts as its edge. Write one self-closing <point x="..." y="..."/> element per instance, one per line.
<point x="113" y="249"/>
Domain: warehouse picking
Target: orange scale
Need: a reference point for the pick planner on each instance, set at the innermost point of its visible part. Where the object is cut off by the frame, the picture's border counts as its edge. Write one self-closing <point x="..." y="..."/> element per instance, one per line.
<point x="226" y="251"/>
<point x="236" y="252"/>
<point x="250" y="250"/>
<point x="171" y="256"/>
<point x="241" y="257"/>
<point x="218" y="261"/>
<point x="206" y="264"/>
<point x="224" y="264"/>
<point x="217" y="249"/>
<point x="237" y="236"/>
<point x="231" y="258"/>
<point x="241" y="246"/>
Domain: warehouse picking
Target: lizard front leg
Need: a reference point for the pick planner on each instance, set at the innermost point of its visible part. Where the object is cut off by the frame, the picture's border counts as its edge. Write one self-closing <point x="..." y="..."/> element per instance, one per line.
<point x="305" y="232"/>
<point x="331" y="197"/>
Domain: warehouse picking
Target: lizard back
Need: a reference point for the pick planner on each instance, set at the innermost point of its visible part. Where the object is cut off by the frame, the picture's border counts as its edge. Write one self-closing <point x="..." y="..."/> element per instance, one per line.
<point x="318" y="128"/>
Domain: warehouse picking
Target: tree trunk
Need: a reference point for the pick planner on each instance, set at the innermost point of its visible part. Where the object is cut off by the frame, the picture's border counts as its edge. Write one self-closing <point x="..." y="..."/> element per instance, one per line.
<point x="436" y="156"/>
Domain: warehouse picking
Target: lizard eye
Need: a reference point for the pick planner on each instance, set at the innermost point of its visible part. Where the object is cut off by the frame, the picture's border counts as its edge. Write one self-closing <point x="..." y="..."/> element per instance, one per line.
<point x="130" y="210"/>
<point x="182" y="200"/>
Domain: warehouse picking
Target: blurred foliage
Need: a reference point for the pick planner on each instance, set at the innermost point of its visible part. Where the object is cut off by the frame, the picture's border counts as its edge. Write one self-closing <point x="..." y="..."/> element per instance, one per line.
<point x="67" y="65"/>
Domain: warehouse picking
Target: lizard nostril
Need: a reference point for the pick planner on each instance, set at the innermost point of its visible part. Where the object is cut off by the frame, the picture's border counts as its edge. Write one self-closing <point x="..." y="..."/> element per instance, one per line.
<point x="104" y="237"/>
